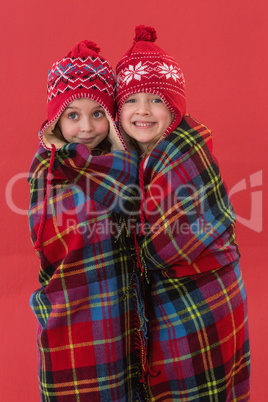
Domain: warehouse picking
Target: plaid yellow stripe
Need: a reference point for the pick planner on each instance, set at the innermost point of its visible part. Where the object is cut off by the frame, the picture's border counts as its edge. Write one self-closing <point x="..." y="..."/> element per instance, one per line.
<point x="88" y="303"/>
<point x="198" y="330"/>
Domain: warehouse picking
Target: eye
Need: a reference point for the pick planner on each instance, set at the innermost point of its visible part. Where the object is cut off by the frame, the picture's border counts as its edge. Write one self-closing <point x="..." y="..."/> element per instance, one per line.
<point x="130" y="100"/>
<point x="98" y="114"/>
<point x="73" y="115"/>
<point x="157" y="100"/>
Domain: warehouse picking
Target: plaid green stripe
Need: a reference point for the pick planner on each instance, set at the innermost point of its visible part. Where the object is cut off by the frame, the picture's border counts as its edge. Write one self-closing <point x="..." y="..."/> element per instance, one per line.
<point x="87" y="305"/>
<point x="197" y="301"/>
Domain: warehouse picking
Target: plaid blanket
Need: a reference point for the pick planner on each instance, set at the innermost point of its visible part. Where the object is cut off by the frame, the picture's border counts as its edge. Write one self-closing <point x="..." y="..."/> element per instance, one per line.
<point x="89" y="307"/>
<point x="198" y="330"/>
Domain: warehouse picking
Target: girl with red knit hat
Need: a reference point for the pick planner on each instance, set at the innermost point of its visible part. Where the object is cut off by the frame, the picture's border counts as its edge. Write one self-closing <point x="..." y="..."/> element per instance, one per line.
<point x="91" y="323"/>
<point x="198" y="329"/>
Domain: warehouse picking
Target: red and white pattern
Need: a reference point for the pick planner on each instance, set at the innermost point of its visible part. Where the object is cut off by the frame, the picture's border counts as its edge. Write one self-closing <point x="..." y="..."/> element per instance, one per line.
<point x="133" y="72"/>
<point x="73" y="75"/>
<point x="150" y="70"/>
<point x="172" y="72"/>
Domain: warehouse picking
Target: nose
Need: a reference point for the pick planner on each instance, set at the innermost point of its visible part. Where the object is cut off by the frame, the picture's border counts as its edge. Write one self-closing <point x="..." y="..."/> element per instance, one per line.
<point x="86" y="125"/>
<point x="143" y="108"/>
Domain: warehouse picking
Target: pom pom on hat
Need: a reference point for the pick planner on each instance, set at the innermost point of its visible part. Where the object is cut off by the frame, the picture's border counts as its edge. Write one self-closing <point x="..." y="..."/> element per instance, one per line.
<point x="144" y="33"/>
<point x="91" y="45"/>
<point x="83" y="48"/>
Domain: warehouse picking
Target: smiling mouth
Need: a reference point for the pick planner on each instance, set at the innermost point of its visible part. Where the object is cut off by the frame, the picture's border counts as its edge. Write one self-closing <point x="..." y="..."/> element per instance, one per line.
<point x="143" y="124"/>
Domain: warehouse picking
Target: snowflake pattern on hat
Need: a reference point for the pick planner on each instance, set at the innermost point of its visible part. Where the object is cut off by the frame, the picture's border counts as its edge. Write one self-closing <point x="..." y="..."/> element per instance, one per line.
<point x="149" y="70"/>
<point x="134" y="73"/>
<point x="171" y="72"/>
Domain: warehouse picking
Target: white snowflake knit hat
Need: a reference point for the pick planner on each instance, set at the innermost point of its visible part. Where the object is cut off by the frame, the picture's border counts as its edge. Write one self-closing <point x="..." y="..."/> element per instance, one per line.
<point x="147" y="68"/>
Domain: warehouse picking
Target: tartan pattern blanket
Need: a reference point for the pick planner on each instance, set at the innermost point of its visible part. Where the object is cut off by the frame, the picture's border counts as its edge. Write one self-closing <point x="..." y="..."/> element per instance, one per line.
<point x="89" y="306"/>
<point x="198" y="332"/>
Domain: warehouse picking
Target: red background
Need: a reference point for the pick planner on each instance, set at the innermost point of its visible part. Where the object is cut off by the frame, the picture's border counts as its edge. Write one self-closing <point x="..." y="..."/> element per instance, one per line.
<point x="221" y="46"/>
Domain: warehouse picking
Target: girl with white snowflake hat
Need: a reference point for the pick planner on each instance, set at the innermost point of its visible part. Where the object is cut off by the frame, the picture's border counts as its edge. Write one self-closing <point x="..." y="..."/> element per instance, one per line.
<point x="198" y="333"/>
<point x="149" y="69"/>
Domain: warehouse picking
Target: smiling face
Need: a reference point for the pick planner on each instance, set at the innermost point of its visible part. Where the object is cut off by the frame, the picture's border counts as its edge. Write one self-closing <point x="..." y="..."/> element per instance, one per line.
<point x="84" y="121"/>
<point x="144" y="117"/>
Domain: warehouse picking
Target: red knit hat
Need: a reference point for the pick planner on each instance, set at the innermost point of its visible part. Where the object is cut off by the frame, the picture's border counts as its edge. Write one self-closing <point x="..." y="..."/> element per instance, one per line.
<point x="147" y="68"/>
<point x="83" y="73"/>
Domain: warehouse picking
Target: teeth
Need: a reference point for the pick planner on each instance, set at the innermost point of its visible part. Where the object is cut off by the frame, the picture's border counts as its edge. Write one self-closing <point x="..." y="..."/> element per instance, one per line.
<point x="143" y="124"/>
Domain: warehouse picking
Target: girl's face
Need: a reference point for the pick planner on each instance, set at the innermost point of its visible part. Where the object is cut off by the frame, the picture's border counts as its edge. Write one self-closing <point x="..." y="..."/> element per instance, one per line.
<point x="84" y="121"/>
<point x="144" y="117"/>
